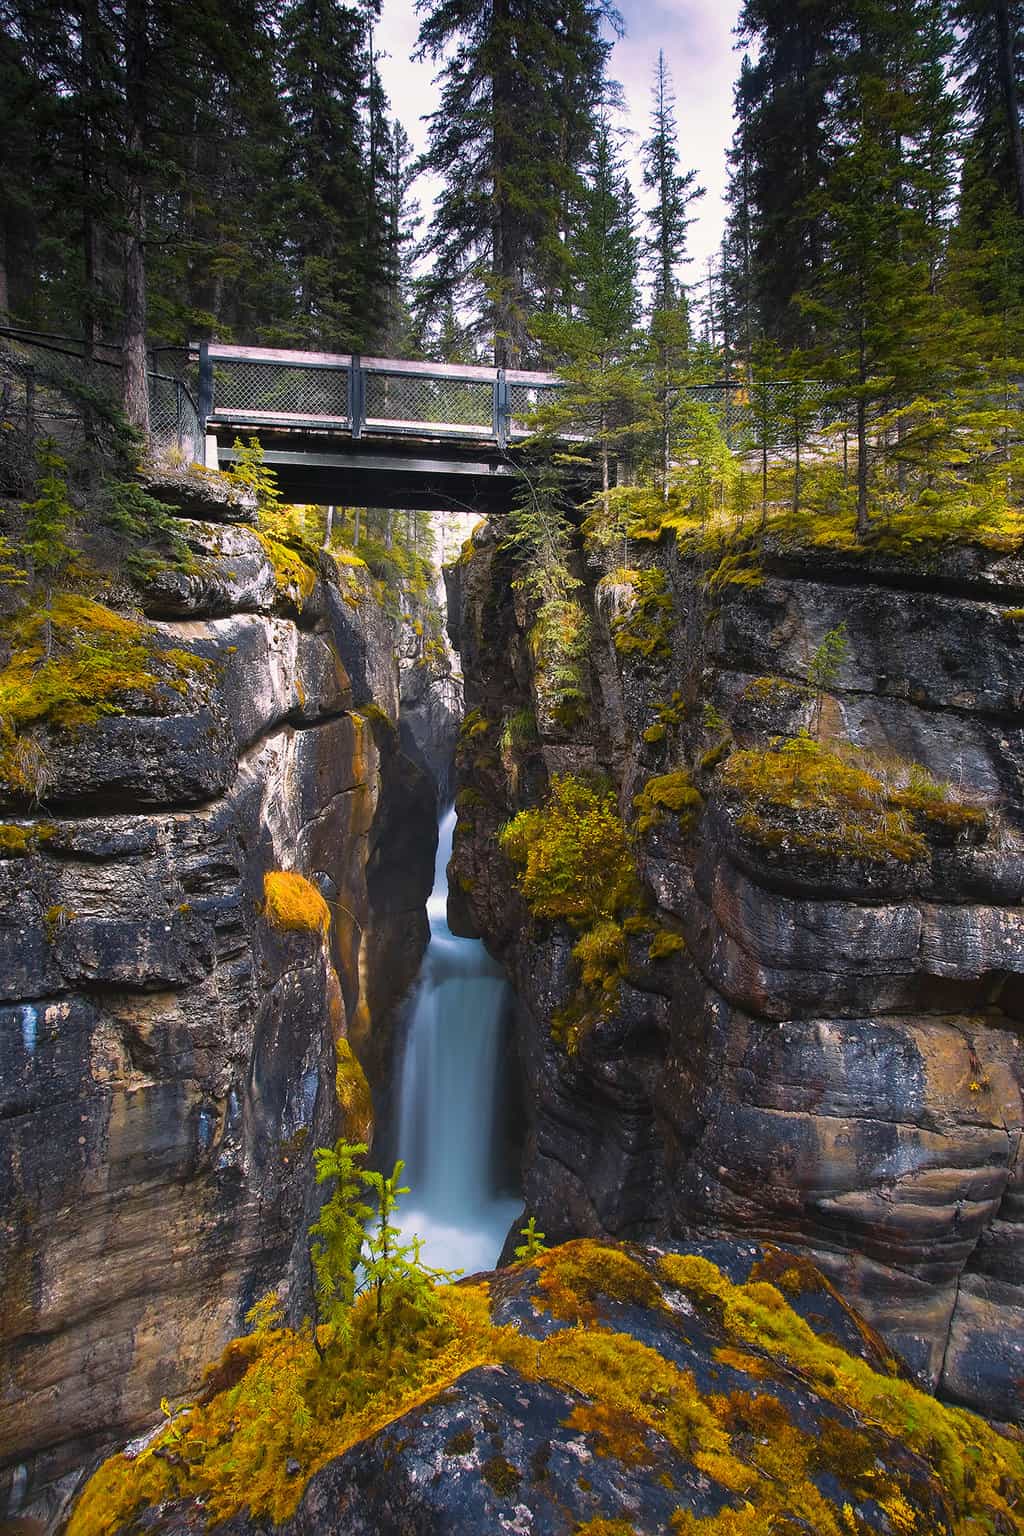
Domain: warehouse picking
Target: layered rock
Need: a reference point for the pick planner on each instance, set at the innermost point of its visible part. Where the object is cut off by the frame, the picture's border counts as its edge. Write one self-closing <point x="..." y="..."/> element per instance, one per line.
<point x="834" y="1058"/>
<point x="168" y="1050"/>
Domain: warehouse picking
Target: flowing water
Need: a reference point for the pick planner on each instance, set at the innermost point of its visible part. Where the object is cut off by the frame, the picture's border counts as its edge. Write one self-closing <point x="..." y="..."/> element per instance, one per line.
<point x="451" y="1094"/>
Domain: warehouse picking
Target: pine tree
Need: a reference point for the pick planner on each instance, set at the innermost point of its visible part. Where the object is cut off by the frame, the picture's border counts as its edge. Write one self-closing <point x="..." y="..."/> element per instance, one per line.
<point x="669" y="219"/>
<point x="783" y="100"/>
<point x="521" y="85"/>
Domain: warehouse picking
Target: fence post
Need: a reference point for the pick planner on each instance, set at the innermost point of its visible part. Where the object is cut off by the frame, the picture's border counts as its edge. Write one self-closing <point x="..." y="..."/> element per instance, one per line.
<point x="502" y="410"/>
<point x="205" y="387"/>
<point x="356" y="395"/>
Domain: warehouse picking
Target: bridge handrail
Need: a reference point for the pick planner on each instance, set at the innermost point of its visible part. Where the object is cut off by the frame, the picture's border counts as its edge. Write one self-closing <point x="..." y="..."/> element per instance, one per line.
<point x="346" y="391"/>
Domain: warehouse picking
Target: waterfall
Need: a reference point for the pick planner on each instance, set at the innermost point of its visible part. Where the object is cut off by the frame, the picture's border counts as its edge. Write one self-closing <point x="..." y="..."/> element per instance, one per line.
<point x="450" y="1100"/>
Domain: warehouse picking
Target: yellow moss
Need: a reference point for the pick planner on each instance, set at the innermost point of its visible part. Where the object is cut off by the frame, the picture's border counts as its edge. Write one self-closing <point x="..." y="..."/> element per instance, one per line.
<point x="643" y="627"/>
<point x="655" y="733"/>
<point x="271" y="1400"/>
<point x="811" y="796"/>
<point x="353" y="1093"/>
<point x="674" y="792"/>
<point x="18" y="840"/>
<point x="55" y="919"/>
<point x="602" y="1527"/>
<point x="292" y="903"/>
<point x="293" y="573"/>
<point x="573" y="1275"/>
<point x="69" y="664"/>
<point x="665" y="943"/>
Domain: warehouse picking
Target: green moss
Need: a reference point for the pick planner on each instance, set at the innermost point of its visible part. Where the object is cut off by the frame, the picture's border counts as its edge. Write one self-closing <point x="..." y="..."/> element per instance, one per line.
<point x="575" y="865"/>
<point x="292" y="904"/>
<point x="643" y="627"/>
<point x="294" y="567"/>
<point x="673" y="792"/>
<point x="655" y="733"/>
<point x="55" y="919"/>
<point x="812" y="797"/>
<point x="602" y="1527"/>
<point x="665" y="943"/>
<point x="71" y="663"/>
<point x="1012" y="615"/>
<point x="502" y="1476"/>
<point x="716" y="754"/>
<point x="460" y="1444"/>
<point x="353" y="1093"/>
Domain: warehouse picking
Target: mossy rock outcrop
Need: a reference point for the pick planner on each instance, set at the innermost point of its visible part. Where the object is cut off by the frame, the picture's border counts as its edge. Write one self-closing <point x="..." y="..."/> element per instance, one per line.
<point x="601" y="1387"/>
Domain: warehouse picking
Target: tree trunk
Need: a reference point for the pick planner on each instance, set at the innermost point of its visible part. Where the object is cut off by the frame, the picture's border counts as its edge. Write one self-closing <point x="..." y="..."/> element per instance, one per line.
<point x="862" y="467"/>
<point x="1008" y="81"/>
<point x="503" y="255"/>
<point x="355" y="528"/>
<point x="135" y="383"/>
<point x="328" y="527"/>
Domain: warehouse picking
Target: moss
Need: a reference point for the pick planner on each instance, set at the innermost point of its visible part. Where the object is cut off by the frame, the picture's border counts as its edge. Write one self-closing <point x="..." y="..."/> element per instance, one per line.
<point x="602" y="1527"/>
<point x="55" y="919"/>
<point x="655" y="733"/>
<point x="460" y="1444"/>
<point x="643" y="627"/>
<point x="673" y="792"/>
<point x="716" y="754"/>
<point x="292" y="904"/>
<point x="18" y="840"/>
<point x="664" y="944"/>
<point x="294" y="568"/>
<point x="810" y="796"/>
<point x="574" y="1275"/>
<point x="770" y="690"/>
<point x="575" y="865"/>
<point x="1012" y="615"/>
<point x="353" y="1093"/>
<point x="272" y="1401"/>
<point x="502" y="1476"/>
<point x="71" y="663"/>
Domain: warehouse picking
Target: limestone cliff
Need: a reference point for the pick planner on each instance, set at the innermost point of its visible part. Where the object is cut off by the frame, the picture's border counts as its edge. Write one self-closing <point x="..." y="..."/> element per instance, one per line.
<point x="816" y="1036"/>
<point x="172" y="1038"/>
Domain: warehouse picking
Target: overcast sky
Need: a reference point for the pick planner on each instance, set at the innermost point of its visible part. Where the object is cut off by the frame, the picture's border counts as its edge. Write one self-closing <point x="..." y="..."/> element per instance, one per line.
<point x="697" y="36"/>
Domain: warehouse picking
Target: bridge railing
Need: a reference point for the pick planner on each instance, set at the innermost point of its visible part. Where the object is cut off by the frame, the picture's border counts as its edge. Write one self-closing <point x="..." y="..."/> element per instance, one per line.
<point x="335" y="391"/>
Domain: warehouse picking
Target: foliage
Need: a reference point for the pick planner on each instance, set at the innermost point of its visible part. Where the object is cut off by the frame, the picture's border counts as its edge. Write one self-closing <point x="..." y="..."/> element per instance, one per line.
<point x="287" y="1406"/>
<point x="573" y="855"/>
<point x="293" y="904"/>
<point x="250" y="473"/>
<point x="576" y="866"/>
<point x="338" y="1233"/>
<point x="533" y="1244"/>
<point x="826" y="664"/>
<point x="642" y="626"/>
<point x="71" y="662"/>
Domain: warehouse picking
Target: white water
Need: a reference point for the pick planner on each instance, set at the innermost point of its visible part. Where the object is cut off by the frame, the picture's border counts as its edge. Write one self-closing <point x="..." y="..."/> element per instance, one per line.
<point x="449" y="1102"/>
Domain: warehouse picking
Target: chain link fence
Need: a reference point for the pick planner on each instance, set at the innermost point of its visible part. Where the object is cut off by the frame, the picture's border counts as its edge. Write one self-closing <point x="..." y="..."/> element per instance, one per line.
<point x="51" y="388"/>
<point x="412" y="399"/>
<point x="244" y="388"/>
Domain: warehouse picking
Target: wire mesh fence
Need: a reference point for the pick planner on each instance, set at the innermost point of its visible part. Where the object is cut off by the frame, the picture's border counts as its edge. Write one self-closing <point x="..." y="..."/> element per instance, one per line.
<point x="414" y="399"/>
<point x="245" y="387"/>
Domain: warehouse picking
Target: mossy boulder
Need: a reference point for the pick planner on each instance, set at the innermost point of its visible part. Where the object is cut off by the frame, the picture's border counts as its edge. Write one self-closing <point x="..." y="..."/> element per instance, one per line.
<point x="601" y="1387"/>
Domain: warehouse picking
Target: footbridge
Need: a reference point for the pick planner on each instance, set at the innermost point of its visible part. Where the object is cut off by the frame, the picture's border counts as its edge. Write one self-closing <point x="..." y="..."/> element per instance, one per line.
<point x="370" y="431"/>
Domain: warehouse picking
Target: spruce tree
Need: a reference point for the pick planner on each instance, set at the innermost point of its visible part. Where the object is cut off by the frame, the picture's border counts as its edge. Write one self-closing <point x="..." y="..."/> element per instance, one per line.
<point x="521" y="84"/>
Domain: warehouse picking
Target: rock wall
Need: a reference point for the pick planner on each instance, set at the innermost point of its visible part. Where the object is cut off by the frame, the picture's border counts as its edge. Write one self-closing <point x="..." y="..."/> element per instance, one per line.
<point x="834" y="1058"/>
<point x="167" y="1053"/>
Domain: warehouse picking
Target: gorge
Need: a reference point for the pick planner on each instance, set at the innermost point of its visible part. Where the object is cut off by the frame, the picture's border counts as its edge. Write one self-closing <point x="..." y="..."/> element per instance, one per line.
<point x="795" y="1037"/>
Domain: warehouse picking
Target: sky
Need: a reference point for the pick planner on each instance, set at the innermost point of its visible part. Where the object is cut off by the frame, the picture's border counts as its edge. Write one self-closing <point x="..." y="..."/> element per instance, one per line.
<point x="697" y="36"/>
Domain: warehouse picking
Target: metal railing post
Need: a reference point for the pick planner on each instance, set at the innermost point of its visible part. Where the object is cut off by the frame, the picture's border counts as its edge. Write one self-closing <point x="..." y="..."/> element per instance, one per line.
<point x="205" y="387"/>
<point x="502" y="410"/>
<point x="356" y="395"/>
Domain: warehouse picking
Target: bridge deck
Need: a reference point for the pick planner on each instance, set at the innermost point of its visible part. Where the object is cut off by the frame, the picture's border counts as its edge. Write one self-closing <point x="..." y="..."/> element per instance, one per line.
<point x="337" y="427"/>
